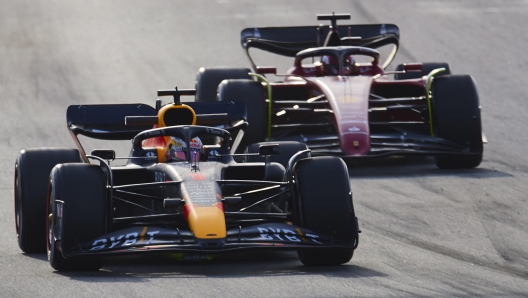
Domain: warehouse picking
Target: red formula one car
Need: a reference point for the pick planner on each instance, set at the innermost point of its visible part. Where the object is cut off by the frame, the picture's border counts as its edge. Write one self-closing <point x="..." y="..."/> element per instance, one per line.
<point x="339" y="99"/>
<point x="175" y="194"/>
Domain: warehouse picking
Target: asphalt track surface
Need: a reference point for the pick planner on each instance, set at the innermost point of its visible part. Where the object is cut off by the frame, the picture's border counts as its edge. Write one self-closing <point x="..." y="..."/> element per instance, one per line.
<point x="426" y="232"/>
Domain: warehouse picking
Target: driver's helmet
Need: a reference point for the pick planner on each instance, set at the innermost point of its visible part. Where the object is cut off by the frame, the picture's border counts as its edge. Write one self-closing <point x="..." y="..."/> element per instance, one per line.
<point x="177" y="149"/>
<point x="330" y="64"/>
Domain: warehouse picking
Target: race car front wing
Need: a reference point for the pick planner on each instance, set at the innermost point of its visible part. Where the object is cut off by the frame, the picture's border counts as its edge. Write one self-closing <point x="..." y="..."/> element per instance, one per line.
<point x="137" y="240"/>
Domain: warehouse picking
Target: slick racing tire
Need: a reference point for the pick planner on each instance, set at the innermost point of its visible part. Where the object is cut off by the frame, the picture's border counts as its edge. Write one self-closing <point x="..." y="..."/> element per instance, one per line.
<point x="456" y="117"/>
<point x="76" y="208"/>
<point x="32" y="170"/>
<point x="287" y="150"/>
<point x="208" y="79"/>
<point x="324" y="194"/>
<point x="427" y="67"/>
<point x="254" y="95"/>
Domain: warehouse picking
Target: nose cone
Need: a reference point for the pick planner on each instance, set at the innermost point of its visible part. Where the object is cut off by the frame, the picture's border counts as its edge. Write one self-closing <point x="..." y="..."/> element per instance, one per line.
<point x="207" y="222"/>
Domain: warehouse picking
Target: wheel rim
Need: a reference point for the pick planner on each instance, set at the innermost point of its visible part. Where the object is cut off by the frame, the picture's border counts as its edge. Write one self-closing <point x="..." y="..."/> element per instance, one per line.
<point x="17" y="202"/>
<point x="49" y="222"/>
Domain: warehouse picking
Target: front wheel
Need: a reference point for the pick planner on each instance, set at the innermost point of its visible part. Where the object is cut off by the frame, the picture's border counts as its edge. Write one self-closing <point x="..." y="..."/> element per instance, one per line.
<point x="253" y="94"/>
<point x="456" y="117"/>
<point x="76" y="214"/>
<point x="325" y="199"/>
<point x="208" y="79"/>
<point x="326" y="258"/>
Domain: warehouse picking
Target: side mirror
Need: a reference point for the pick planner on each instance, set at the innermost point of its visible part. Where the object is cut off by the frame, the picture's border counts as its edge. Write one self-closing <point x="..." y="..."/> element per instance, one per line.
<point x="409" y="67"/>
<point x="106" y="154"/>
<point x="172" y="203"/>
<point x="210" y="152"/>
<point x="266" y="70"/>
<point x="269" y="149"/>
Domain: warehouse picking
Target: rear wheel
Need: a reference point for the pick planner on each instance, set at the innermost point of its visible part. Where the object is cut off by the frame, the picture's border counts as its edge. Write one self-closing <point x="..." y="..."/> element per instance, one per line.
<point x="208" y="79"/>
<point x="456" y="117"/>
<point x="427" y="67"/>
<point x="287" y="150"/>
<point x="323" y="189"/>
<point x="76" y="208"/>
<point x="32" y="170"/>
<point x="253" y="94"/>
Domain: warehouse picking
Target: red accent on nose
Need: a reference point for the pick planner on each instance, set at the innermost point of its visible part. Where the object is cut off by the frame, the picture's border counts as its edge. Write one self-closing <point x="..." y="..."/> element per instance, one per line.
<point x="197" y="176"/>
<point x="187" y="208"/>
<point x="219" y="206"/>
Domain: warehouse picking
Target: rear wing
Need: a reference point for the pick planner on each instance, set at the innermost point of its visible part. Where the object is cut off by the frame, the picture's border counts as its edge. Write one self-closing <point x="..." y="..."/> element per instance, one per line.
<point x="107" y="121"/>
<point x="288" y="41"/>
